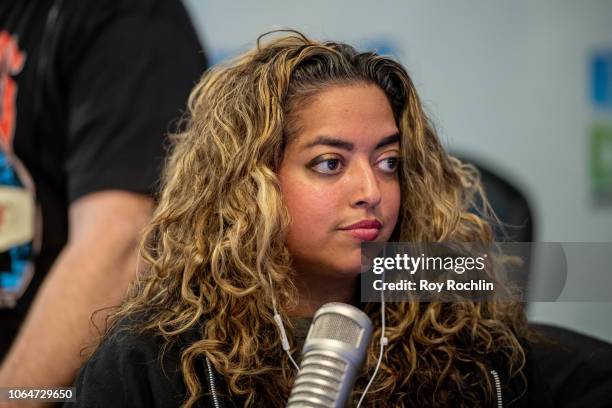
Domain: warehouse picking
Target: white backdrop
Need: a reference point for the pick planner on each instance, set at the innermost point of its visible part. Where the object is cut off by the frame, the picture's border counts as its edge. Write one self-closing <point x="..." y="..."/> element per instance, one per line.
<point x="506" y="82"/>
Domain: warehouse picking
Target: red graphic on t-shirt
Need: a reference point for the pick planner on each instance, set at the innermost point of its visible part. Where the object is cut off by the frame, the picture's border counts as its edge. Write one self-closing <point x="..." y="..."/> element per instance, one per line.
<point x="11" y="63"/>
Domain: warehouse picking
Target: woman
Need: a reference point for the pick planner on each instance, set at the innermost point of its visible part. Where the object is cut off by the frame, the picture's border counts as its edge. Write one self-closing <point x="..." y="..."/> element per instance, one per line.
<point x="294" y="154"/>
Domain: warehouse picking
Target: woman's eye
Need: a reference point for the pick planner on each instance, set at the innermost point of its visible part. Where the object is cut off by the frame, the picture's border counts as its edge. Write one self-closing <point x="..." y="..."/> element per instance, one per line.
<point x="328" y="166"/>
<point x="389" y="164"/>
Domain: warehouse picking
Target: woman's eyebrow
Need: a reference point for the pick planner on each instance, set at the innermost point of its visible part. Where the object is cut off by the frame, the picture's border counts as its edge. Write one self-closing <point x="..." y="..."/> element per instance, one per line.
<point x="343" y="144"/>
<point x="330" y="141"/>
<point x="385" y="141"/>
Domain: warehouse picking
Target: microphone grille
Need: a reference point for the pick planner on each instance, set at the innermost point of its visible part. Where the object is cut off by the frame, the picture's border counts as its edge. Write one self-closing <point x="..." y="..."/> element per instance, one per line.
<point x="335" y="326"/>
<point x="333" y="353"/>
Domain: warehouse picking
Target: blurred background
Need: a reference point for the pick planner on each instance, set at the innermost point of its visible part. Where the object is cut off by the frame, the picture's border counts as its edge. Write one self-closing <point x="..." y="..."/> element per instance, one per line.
<point x="522" y="88"/>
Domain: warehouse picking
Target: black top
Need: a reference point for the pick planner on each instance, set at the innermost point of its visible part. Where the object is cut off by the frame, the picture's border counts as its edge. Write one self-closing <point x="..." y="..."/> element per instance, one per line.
<point x="126" y="371"/>
<point x="129" y="370"/>
<point x="89" y="90"/>
<point x="302" y="326"/>
<point x="574" y="371"/>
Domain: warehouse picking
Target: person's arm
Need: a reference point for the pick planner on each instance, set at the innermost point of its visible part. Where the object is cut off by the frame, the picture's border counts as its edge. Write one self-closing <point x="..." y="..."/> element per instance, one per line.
<point x="92" y="272"/>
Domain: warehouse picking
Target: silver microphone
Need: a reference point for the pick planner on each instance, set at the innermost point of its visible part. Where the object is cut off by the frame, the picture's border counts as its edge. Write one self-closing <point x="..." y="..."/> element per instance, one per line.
<point x="333" y="353"/>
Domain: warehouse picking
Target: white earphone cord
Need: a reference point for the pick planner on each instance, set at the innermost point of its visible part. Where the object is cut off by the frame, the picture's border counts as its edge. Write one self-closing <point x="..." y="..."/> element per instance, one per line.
<point x="383" y="342"/>
<point x="281" y="328"/>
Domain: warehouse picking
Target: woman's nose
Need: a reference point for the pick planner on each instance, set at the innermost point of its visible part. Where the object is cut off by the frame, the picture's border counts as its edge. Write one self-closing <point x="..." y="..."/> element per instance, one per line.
<point x="365" y="186"/>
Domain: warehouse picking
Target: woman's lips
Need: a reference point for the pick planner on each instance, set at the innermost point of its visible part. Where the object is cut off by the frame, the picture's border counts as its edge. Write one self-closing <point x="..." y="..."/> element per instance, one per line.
<point x="364" y="234"/>
<point x="367" y="224"/>
<point x="365" y="230"/>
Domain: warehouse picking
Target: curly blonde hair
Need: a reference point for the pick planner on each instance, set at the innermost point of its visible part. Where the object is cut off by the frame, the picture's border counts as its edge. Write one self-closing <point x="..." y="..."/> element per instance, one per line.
<point x="216" y="242"/>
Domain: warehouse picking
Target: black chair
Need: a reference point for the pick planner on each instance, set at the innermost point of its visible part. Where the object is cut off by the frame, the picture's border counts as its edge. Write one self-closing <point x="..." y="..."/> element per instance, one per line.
<point x="509" y="203"/>
<point x="576" y="368"/>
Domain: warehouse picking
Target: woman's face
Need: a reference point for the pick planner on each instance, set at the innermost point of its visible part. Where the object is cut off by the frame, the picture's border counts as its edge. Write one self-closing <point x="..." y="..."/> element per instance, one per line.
<point x="339" y="179"/>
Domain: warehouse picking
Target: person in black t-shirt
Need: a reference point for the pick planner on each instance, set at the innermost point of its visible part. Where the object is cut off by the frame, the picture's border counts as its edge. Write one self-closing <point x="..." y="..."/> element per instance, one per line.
<point x="88" y="90"/>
